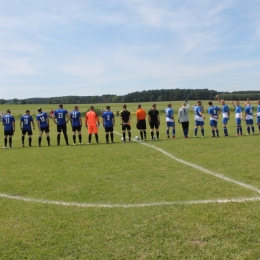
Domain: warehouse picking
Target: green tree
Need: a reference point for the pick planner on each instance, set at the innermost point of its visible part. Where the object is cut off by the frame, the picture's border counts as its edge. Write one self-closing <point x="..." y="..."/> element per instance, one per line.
<point x="2" y="101"/>
<point x="15" y="101"/>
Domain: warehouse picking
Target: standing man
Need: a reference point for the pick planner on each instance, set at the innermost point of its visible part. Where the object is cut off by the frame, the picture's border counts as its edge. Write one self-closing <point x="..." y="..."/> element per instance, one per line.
<point x="60" y="120"/>
<point x="225" y="114"/>
<point x="43" y="126"/>
<point x="214" y="111"/>
<point x="170" y="121"/>
<point x="91" y="122"/>
<point x="8" y="122"/>
<point x="76" y="124"/>
<point x="26" y="123"/>
<point x="239" y="117"/>
<point x="154" y="121"/>
<point x="125" y="117"/>
<point x="183" y="118"/>
<point x="249" y="117"/>
<point x="199" y="119"/>
<point x="258" y="114"/>
<point x="141" y="121"/>
<point x="108" y="121"/>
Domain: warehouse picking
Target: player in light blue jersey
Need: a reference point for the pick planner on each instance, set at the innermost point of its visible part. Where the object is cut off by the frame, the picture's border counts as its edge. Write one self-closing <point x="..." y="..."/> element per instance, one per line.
<point x="170" y="121"/>
<point x="61" y="118"/>
<point x="249" y="117"/>
<point x="26" y="123"/>
<point x="239" y="117"/>
<point x="199" y="118"/>
<point x="214" y="112"/>
<point x="76" y="124"/>
<point x="108" y="121"/>
<point x="8" y="122"/>
<point x="43" y="125"/>
<point x="225" y="114"/>
<point x="258" y="114"/>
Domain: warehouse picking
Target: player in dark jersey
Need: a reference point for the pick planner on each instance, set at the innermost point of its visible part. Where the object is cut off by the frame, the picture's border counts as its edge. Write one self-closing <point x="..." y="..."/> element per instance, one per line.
<point x="43" y="125"/>
<point x="26" y="123"/>
<point x="9" y="127"/>
<point x="76" y="124"/>
<point x="125" y="117"/>
<point x="59" y="118"/>
<point x="108" y="121"/>
<point x="154" y="121"/>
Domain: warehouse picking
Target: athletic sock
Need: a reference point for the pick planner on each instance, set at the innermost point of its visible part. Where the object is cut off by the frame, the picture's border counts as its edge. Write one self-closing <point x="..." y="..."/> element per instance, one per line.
<point x="213" y="133"/>
<point x="48" y="140"/>
<point x="124" y="136"/>
<point x="30" y="141"/>
<point x="58" y="138"/>
<point x="112" y="137"/>
<point x="89" y="138"/>
<point x="80" y="138"/>
<point x="96" y="136"/>
<point x="142" y="135"/>
<point x="217" y="133"/>
<point x="107" y="136"/>
<point x="195" y="131"/>
<point x="39" y="141"/>
<point x="259" y="127"/>
<point x="157" y="135"/>
<point x="167" y="132"/>
<point x="253" y="129"/>
<point x="74" y="138"/>
<point x="5" y="141"/>
<point x="145" y="132"/>
<point x="66" y="138"/>
<point x="173" y="131"/>
<point x="129" y="136"/>
<point x="23" y="139"/>
<point x="202" y="131"/>
<point x="238" y="128"/>
<point x="10" y="141"/>
<point x="152" y="135"/>
<point x="248" y="129"/>
<point x="225" y="130"/>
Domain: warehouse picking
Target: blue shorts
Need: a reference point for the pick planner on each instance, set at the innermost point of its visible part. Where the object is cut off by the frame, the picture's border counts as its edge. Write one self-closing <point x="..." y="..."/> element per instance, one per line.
<point x="225" y="121"/>
<point x="199" y="123"/>
<point x="258" y="120"/>
<point x="213" y="123"/>
<point x="249" y="121"/>
<point x="170" y="124"/>
<point x="238" y="121"/>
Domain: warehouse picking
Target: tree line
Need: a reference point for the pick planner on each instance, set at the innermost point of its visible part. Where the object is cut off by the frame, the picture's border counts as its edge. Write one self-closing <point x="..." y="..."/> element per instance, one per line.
<point x="142" y="96"/>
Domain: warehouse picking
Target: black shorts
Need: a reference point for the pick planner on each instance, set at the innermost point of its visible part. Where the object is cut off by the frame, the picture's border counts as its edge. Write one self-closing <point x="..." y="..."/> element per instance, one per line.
<point x="62" y="128"/>
<point x="45" y="129"/>
<point x="154" y="125"/>
<point x="109" y="129"/>
<point x="26" y="131"/>
<point x="9" y="132"/>
<point x="76" y="128"/>
<point x="141" y="124"/>
<point x="126" y="127"/>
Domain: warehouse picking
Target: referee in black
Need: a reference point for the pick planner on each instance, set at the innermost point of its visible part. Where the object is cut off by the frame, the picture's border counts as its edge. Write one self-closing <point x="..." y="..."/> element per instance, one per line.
<point x="154" y="121"/>
<point x="125" y="117"/>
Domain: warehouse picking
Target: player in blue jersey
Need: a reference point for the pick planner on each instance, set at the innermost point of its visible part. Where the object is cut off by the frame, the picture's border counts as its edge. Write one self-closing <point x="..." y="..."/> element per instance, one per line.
<point x="199" y="118"/>
<point x="170" y="121"/>
<point x="214" y="112"/>
<point x="258" y="114"/>
<point x="225" y="114"/>
<point x="43" y="125"/>
<point x="61" y="118"/>
<point x="108" y="121"/>
<point x="8" y="122"/>
<point x="239" y="117"/>
<point x="26" y="124"/>
<point x="76" y="124"/>
<point x="249" y="117"/>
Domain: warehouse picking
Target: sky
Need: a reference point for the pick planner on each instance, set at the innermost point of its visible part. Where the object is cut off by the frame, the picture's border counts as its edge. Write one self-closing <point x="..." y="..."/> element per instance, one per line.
<point x="80" y="47"/>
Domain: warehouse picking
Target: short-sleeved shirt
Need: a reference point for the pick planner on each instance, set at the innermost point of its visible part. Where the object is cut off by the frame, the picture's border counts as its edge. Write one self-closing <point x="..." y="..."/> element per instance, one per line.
<point x="108" y="118"/>
<point x="26" y="120"/>
<point x="8" y="120"/>
<point x="197" y="116"/>
<point x="169" y="114"/>
<point x="258" y="110"/>
<point x="91" y="117"/>
<point x="225" y="110"/>
<point x="249" y="112"/>
<point x="75" y="118"/>
<point x="238" y="111"/>
<point x="60" y="115"/>
<point x="213" y="112"/>
<point x="140" y="114"/>
<point x="42" y="118"/>
<point x="125" y="115"/>
<point x="153" y="113"/>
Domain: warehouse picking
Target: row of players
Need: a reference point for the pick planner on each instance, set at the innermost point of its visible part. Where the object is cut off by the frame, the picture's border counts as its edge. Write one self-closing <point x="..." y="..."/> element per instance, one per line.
<point x="62" y="117"/>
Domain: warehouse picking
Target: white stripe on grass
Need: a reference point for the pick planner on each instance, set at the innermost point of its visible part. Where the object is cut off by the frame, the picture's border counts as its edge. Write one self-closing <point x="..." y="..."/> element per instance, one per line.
<point x="195" y="166"/>
<point x="137" y="205"/>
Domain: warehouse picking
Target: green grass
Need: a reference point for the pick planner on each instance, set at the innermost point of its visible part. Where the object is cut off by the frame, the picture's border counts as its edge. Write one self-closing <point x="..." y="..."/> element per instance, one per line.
<point x="126" y="174"/>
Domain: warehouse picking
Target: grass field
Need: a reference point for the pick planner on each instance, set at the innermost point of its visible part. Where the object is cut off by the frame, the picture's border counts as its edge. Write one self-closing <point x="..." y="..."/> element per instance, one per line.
<point x="195" y="198"/>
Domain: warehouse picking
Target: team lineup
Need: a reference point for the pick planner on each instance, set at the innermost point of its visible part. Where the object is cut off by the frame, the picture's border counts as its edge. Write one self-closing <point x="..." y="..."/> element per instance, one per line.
<point x="61" y="117"/>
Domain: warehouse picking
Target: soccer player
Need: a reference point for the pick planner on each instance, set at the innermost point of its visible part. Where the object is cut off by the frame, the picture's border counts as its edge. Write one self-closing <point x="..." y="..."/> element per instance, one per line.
<point x="249" y="117"/>
<point x="239" y="117"/>
<point x="154" y="121"/>
<point x="43" y="125"/>
<point x="258" y="114"/>
<point x="91" y="122"/>
<point x="170" y="121"/>
<point x="8" y="122"/>
<point x="225" y="114"/>
<point x="125" y="117"/>
<point x="26" y="123"/>
<point x="108" y="121"/>
<point x="60" y="120"/>
<point x="76" y="124"/>
<point x="183" y="118"/>
<point x="214" y="111"/>
<point x="141" y="121"/>
<point x="199" y="119"/>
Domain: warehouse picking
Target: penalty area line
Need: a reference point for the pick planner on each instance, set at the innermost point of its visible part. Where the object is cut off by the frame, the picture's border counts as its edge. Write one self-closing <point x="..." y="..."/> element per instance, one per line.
<point x="137" y="205"/>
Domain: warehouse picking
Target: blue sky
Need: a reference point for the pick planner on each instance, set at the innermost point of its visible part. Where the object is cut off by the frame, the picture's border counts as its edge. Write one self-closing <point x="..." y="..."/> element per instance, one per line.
<point x="56" y="48"/>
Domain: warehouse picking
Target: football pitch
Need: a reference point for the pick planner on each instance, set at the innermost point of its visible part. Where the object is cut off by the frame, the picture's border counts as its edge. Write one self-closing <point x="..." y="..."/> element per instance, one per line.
<point x="195" y="198"/>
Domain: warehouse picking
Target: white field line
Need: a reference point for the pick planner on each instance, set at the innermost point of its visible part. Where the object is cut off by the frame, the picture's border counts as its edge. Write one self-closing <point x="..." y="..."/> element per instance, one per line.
<point x="215" y="174"/>
<point x="138" y="205"/>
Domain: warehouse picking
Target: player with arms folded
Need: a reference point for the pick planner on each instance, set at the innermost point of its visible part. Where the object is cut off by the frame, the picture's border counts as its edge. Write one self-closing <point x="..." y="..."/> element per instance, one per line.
<point x="108" y="121"/>
<point x="214" y="112"/>
<point x="76" y="124"/>
<point x="9" y="128"/>
<point x="26" y="123"/>
<point x="199" y="118"/>
<point x="43" y="125"/>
